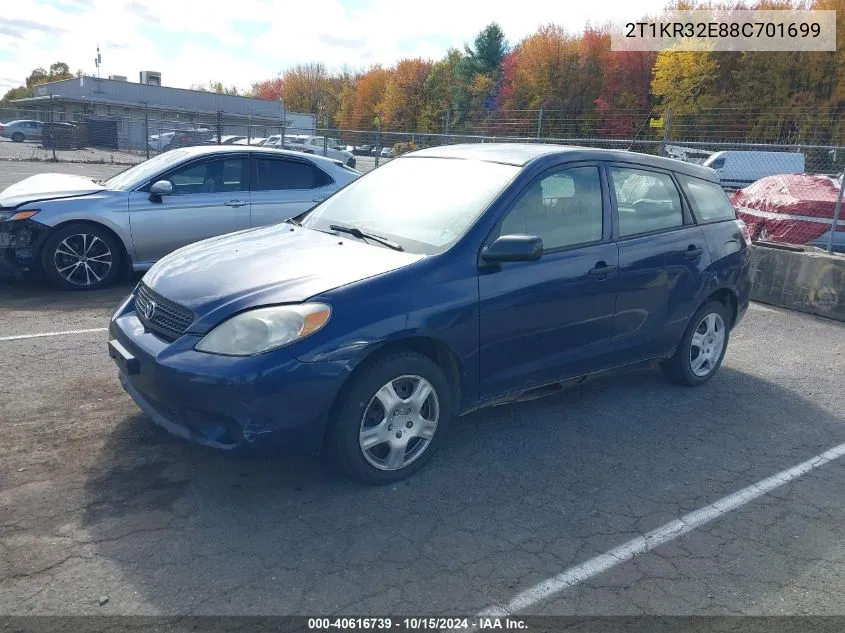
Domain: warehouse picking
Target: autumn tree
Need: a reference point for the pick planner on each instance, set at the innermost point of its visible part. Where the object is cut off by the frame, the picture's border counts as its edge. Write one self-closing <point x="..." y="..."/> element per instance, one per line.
<point x="57" y="72"/>
<point x="216" y="87"/>
<point x="685" y="81"/>
<point x="366" y="99"/>
<point x="542" y="71"/>
<point x="404" y="95"/>
<point x="442" y="89"/>
<point x="625" y="97"/>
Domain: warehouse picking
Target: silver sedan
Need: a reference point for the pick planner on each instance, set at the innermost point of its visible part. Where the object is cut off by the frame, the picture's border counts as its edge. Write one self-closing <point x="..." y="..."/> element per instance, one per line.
<point x="84" y="234"/>
<point x="22" y="130"/>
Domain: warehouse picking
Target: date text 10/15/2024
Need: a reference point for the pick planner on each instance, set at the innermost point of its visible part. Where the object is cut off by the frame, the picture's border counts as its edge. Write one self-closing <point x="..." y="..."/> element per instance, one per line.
<point x="481" y="623"/>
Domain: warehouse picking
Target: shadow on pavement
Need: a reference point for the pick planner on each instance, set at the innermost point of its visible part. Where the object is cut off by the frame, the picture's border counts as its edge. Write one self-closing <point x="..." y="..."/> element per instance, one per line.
<point x="518" y="493"/>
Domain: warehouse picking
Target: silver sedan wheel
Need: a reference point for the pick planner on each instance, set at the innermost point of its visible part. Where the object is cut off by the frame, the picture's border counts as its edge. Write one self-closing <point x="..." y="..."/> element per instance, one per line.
<point x="708" y="341"/>
<point x="83" y="259"/>
<point x="399" y="423"/>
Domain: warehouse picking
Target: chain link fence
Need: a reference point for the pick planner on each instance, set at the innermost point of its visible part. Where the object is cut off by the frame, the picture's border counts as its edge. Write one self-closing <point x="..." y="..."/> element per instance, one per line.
<point x="782" y="167"/>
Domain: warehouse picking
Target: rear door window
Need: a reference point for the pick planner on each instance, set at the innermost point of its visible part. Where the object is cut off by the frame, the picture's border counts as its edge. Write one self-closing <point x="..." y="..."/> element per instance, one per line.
<point x="709" y="201"/>
<point x="647" y="201"/>
<point x="270" y="174"/>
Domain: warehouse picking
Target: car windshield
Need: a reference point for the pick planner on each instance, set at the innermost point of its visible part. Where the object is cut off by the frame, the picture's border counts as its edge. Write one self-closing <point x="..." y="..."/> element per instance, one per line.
<point x="423" y="204"/>
<point x="134" y="176"/>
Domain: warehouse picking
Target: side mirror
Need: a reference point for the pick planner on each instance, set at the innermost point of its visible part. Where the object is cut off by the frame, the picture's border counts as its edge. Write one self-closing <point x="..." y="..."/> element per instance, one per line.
<point x="513" y="248"/>
<point x="161" y="188"/>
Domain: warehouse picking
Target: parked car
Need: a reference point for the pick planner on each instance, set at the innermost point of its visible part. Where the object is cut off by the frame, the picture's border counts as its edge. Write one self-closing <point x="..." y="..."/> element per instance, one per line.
<point x="255" y="141"/>
<point x="189" y="138"/>
<point x="740" y="168"/>
<point x="331" y="147"/>
<point x="22" y="130"/>
<point x="226" y="139"/>
<point x="159" y="142"/>
<point x="83" y="234"/>
<point x="792" y="209"/>
<point x="363" y="150"/>
<point x="386" y="152"/>
<point x="365" y="325"/>
<point x="288" y="143"/>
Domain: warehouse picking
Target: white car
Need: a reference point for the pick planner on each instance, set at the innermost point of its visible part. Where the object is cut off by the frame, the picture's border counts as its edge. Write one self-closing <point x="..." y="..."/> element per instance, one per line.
<point x="333" y="149"/>
<point x="254" y="142"/>
<point x="738" y="169"/>
<point x="159" y="141"/>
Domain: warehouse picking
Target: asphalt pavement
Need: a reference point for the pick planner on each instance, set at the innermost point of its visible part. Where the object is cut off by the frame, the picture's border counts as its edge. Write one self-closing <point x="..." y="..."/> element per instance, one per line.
<point x="98" y="503"/>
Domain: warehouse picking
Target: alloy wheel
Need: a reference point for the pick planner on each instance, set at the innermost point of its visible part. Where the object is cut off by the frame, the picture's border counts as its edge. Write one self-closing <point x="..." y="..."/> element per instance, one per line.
<point x="83" y="259"/>
<point x="708" y="341"/>
<point x="399" y="422"/>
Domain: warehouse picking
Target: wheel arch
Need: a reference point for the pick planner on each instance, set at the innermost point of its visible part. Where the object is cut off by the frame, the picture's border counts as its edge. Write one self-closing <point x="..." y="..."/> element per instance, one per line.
<point x="728" y="298"/>
<point x="439" y="352"/>
<point x="126" y="257"/>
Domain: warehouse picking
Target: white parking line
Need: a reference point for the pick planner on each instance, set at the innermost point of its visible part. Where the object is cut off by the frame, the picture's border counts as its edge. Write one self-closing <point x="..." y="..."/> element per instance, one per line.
<point x="675" y="529"/>
<point x="18" y="337"/>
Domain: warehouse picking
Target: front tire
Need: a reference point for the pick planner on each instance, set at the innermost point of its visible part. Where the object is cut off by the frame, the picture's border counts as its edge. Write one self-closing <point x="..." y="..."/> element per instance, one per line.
<point x="390" y="419"/>
<point x="702" y="348"/>
<point x="81" y="256"/>
<point x="17" y="137"/>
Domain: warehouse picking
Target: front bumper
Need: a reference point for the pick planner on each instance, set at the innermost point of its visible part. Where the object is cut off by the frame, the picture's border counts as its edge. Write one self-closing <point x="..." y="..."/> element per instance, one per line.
<point x="224" y="401"/>
<point x="20" y="241"/>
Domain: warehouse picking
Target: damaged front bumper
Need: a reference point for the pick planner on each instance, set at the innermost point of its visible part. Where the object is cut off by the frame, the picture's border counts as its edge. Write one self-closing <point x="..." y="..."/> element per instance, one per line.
<point x="20" y="242"/>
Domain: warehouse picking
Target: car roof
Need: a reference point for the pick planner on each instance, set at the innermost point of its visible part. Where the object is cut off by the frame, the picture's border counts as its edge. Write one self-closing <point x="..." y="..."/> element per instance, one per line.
<point x="520" y="154"/>
<point x="200" y="150"/>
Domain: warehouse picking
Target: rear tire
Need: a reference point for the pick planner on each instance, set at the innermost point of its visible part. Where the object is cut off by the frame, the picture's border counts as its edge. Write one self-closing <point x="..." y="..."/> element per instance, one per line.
<point x="81" y="256"/>
<point x="17" y="137"/>
<point x="390" y="419"/>
<point x="702" y="348"/>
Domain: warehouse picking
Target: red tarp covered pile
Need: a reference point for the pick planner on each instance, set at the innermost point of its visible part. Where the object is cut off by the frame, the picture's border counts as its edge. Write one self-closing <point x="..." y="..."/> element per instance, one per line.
<point x="794" y="209"/>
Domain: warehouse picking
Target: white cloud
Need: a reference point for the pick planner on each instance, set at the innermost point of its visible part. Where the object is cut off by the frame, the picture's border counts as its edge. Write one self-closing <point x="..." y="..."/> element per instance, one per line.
<point x="139" y="35"/>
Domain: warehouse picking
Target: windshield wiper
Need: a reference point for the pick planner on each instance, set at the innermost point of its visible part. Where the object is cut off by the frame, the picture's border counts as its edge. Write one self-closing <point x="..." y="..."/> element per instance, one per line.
<point x="361" y="235"/>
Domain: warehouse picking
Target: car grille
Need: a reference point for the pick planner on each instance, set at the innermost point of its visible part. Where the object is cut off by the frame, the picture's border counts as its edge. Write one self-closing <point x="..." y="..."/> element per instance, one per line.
<point x="166" y="318"/>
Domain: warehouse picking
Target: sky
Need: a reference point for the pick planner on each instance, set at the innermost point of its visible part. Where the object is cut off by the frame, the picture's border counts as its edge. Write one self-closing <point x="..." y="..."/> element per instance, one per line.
<point x="197" y="41"/>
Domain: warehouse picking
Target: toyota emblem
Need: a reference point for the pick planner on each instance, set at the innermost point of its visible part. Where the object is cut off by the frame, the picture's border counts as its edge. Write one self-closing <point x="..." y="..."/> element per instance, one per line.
<point x="148" y="309"/>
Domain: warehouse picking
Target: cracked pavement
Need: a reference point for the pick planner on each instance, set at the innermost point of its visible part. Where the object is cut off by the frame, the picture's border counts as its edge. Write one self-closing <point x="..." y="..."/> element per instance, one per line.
<point x="96" y="501"/>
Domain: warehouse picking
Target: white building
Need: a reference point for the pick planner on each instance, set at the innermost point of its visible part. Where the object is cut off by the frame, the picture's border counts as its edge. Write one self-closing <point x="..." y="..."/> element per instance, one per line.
<point x="145" y="109"/>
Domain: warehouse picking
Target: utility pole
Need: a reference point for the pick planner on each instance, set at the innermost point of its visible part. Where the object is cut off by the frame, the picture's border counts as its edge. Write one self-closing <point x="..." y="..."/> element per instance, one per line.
<point x="97" y="61"/>
<point x="147" y="129"/>
<point x="539" y="122"/>
<point x="378" y="137"/>
<point x="667" y="119"/>
<point x="836" y="213"/>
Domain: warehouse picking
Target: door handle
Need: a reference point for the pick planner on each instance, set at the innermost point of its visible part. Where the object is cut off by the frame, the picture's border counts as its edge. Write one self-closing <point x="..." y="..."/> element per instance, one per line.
<point x="319" y="198"/>
<point x="236" y="203"/>
<point x="602" y="269"/>
<point x="693" y="252"/>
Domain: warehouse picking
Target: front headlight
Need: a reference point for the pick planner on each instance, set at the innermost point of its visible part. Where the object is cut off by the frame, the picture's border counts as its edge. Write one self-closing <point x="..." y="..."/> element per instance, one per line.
<point x="9" y="216"/>
<point x="264" y="329"/>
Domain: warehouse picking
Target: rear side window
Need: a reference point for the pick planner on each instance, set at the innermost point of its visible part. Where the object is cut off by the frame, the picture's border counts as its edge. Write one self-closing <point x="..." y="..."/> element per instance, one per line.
<point x="274" y="175"/>
<point x="647" y="201"/>
<point x="709" y="201"/>
<point x="718" y="163"/>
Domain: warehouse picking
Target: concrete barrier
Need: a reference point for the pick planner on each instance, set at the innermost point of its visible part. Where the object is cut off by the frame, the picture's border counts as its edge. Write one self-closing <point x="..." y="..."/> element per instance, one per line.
<point x="808" y="280"/>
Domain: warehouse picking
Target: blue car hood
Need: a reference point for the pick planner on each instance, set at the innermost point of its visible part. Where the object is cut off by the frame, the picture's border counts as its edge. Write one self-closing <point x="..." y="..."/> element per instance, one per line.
<point x="271" y="265"/>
